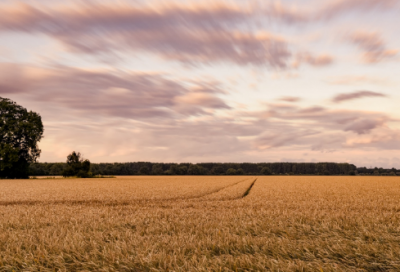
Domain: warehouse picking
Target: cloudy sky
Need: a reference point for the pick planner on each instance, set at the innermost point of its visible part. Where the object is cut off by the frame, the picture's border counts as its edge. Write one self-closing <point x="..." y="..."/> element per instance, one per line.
<point x="208" y="81"/>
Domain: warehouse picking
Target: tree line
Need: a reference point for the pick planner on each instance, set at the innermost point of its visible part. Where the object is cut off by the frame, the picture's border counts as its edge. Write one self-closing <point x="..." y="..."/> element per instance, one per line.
<point x="149" y="168"/>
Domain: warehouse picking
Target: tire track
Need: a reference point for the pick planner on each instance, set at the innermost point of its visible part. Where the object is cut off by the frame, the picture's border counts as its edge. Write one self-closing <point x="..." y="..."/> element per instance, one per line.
<point x="96" y="202"/>
<point x="218" y="190"/>
<point x="249" y="189"/>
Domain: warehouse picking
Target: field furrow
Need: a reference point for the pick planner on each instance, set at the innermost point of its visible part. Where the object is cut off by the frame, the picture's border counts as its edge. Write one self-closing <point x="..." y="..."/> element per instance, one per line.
<point x="231" y="192"/>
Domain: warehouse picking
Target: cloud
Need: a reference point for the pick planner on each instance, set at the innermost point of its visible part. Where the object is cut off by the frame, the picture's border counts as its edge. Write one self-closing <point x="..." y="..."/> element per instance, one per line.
<point x="372" y="45"/>
<point x="337" y="7"/>
<point x="357" y="80"/>
<point x="192" y="34"/>
<point x="290" y="99"/>
<point x="318" y="60"/>
<point x="324" y="120"/>
<point x="109" y="93"/>
<point x="329" y="10"/>
<point x="199" y="34"/>
<point x="363" y="126"/>
<point x="356" y="95"/>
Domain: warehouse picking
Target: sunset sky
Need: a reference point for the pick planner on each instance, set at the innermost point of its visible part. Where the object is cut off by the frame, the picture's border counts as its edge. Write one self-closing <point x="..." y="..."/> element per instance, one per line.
<point x="208" y="81"/>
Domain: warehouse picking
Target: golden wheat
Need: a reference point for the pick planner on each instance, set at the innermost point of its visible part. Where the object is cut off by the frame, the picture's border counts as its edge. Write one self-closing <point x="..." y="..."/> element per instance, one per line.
<point x="113" y="189"/>
<point x="201" y="224"/>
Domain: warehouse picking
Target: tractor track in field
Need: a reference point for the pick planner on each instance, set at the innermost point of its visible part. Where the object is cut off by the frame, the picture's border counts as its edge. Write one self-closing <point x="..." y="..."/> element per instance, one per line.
<point x="96" y="202"/>
<point x="218" y="190"/>
<point x="249" y="189"/>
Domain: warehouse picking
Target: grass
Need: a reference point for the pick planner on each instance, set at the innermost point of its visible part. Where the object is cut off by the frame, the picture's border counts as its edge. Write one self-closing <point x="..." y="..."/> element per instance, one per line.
<point x="201" y="224"/>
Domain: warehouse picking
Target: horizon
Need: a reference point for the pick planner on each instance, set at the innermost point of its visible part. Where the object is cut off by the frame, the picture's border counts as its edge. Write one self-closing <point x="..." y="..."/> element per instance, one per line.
<point x="240" y="81"/>
<point x="210" y="162"/>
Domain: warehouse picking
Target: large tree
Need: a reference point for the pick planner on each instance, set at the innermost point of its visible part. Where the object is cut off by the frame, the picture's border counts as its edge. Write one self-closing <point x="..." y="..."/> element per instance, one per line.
<point x="20" y="132"/>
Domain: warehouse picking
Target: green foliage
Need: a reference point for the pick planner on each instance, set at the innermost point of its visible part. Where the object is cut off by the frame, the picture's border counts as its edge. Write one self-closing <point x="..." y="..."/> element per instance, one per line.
<point x="195" y="169"/>
<point x="231" y="171"/>
<point x="146" y="168"/>
<point x="56" y="169"/>
<point x="20" y="132"/>
<point x="217" y="170"/>
<point x="77" y="166"/>
<point x="266" y="171"/>
<point x="157" y="169"/>
<point x="177" y="170"/>
<point x="144" y="171"/>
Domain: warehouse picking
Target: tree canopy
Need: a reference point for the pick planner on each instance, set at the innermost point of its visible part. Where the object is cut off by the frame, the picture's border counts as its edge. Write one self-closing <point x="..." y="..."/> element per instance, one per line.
<point x="77" y="166"/>
<point x="20" y="132"/>
<point x="149" y="168"/>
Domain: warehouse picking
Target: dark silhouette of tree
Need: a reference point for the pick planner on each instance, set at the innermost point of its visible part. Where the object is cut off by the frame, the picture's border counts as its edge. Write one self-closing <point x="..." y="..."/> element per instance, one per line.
<point x="279" y="168"/>
<point x="56" y="169"/>
<point x="157" y="169"/>
<point x="20" y="132"/>
<point x="175" y="169"/>
<point x="266" y="171"/>
<point x="217" y="170"/>
<point x="231" y="171"/>
<point x="77" y="166"/>
<point x="144" y="170"/>
<point x="195" y="169"/>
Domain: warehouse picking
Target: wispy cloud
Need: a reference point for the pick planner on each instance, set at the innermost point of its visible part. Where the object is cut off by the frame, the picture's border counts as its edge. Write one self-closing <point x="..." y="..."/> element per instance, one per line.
<point x="215" y="32"/>
<point x="107" y="93"/>
<point x="357" y="80"/>
<point x="356" y="95"/>
<point x="324" y="10"/>
<point x="372" y="45"/>
<point x="290" y="99"/>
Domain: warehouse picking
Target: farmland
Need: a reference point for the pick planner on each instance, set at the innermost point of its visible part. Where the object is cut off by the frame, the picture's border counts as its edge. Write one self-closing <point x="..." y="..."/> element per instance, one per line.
<point x="169" y="223"/>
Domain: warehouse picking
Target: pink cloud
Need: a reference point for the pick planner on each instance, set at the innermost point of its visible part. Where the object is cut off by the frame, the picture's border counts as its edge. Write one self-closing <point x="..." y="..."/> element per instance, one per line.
<point x="314" y="60"/>
<point x="356" y="95"/>
<point x="198" y="34"/>
<point x="328" y="10"/>
<point x="357" y="80"/>
<point x="127" y="95"/>
<point x="290" y="99"/>
<point x="372" y="45"/>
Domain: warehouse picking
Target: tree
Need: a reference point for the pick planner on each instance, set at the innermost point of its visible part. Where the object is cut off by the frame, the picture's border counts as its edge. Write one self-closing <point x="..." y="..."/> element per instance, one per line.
<point x="240" y="171"/>
<point x="20" y="132"/>
<point x="157" y="169"/>
<point x="195" y="169"/>
<point x="77" y="166"/>
<point x="217" y="170"/>
<point x="56" y="169"/>
<point x="231" y="171"/>
<point x="265" y="171"/>
<point x="144" y="170"/>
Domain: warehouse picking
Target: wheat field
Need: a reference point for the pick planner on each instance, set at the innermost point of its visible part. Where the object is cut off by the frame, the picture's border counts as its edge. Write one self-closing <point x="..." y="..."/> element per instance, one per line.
<point x="240" y="223"/>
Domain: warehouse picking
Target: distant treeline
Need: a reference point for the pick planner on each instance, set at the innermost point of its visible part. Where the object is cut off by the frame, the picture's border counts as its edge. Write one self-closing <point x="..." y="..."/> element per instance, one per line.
<point x="148" y="168"/>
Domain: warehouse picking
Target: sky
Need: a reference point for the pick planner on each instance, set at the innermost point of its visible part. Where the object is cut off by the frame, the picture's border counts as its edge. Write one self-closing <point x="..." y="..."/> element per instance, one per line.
<point x="208" y="81"/>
